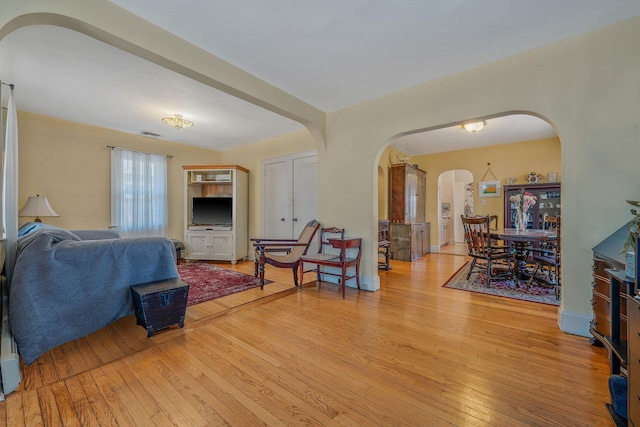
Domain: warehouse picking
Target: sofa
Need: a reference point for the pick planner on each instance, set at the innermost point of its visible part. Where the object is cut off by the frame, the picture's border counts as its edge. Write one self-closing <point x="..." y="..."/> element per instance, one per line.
<point x="67" y="284"/>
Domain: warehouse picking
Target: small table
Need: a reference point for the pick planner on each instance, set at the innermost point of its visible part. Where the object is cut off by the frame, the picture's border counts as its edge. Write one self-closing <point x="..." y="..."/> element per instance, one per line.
<point x="522" y="240"/>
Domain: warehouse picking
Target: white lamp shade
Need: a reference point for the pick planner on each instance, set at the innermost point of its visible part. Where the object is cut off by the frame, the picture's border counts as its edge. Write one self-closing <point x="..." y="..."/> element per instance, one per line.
<point x="37" y="207"/>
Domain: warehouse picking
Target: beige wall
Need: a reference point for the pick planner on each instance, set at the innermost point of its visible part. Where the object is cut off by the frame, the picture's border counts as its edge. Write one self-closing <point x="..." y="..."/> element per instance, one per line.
<point x="508" y="160"/>
<point x="69" y="164"/>
<point x="586" y="87"/>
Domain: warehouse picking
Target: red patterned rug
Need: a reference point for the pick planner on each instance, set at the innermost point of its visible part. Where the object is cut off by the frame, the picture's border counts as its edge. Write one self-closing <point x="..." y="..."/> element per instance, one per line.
<point x="517" y="289"/>
<point x="208" y="281"/>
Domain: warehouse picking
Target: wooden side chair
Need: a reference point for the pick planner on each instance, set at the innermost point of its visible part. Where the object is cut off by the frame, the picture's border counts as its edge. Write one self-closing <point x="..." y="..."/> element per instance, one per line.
<point x="335" y="256"/>
<point x="384" y="245"/>
<point x="283" y="253"/>
<point x="547" y="260"/>
<point x="482" y="248"/>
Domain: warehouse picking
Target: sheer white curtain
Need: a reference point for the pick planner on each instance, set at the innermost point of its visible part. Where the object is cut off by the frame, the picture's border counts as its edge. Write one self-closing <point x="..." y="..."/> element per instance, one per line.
<point x="10" y="187"/>
<point x="138" y="193"/>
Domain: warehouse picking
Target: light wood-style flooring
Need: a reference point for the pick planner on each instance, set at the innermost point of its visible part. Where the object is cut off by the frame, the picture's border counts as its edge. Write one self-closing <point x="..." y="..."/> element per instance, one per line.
<point x="413" y="353"/>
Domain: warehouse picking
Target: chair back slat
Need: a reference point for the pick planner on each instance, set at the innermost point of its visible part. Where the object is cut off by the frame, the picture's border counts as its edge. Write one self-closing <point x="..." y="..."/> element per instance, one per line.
<point x="476" y="232"/>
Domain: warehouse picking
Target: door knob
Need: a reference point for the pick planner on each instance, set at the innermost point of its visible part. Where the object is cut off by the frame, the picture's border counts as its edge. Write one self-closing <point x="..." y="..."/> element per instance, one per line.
<point x="282" y="219"/>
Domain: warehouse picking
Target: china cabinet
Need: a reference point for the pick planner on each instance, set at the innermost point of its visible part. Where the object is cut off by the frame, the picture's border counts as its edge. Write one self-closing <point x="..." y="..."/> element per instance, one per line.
<point x="408" y="192"/>
<point x="410" y="234"/>
<point x="547" y="203"/>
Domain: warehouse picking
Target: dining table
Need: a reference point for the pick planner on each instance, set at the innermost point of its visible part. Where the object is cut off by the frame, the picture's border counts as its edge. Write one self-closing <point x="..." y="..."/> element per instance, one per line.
<point x="522" y="241"/>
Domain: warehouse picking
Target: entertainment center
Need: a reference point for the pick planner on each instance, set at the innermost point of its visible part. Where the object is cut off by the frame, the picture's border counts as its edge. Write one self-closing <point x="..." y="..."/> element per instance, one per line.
<point x="216" y="212"/>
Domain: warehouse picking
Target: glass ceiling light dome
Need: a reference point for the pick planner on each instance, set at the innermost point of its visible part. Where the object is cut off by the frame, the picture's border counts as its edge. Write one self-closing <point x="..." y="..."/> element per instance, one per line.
<point x="474" y="127"/>
<point x="177" y="121"/>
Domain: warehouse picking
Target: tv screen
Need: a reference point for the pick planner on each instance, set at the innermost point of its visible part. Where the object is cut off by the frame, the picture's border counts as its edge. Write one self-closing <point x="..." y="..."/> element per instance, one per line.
<point x="212" y="211"/>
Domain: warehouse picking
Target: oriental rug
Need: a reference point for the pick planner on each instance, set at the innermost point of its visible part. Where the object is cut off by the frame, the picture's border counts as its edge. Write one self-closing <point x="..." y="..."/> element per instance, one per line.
<point x="517" y="289"/>
<point x="207" y="281"/>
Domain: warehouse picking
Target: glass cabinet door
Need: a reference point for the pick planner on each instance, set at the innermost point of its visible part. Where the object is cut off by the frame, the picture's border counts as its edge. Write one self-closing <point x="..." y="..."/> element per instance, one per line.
<point x="547" y="203"/>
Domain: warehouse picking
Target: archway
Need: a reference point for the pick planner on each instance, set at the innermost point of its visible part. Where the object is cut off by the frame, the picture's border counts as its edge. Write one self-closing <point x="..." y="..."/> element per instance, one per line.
<point x="513" y="143"/>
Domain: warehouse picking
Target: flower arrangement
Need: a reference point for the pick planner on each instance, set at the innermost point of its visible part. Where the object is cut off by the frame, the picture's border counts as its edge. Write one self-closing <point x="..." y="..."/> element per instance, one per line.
<point x="522" y="202"/>
<point x="634" y="227"/>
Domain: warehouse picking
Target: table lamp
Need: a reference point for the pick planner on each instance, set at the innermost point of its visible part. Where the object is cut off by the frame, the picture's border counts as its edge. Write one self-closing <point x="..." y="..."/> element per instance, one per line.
<point x="37" y="207"/>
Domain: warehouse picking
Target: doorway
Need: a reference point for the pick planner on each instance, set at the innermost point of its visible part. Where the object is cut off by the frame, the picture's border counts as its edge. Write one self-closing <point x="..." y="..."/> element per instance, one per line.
<point x="455" y="198"/>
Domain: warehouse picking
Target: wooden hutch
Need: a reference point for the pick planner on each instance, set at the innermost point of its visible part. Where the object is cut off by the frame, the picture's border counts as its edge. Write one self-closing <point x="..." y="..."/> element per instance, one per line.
<point x="410" y="234"/>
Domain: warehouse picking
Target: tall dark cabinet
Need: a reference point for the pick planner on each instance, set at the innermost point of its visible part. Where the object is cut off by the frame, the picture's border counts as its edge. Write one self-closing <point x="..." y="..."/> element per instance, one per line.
<point x="547" y="203"/>
<point x="408" y="192"/>
<point x="410" y="234"/>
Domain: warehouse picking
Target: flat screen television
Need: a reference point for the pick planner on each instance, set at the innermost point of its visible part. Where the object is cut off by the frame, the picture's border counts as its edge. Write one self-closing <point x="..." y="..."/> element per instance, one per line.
<point x="212" y="211"/>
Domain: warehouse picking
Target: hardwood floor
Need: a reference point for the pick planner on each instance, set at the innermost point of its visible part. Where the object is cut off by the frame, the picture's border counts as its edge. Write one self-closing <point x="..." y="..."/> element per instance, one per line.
<point x="413" y="353"/>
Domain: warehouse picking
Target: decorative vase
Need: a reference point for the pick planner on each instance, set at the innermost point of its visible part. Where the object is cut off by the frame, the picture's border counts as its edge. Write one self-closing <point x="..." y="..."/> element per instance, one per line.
<point x="630" y="264"/>
<point x="521" y="221"/>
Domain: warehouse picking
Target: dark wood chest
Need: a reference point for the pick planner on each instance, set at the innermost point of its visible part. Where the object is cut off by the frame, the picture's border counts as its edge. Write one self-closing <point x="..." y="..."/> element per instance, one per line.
<point x="159" y="305"/>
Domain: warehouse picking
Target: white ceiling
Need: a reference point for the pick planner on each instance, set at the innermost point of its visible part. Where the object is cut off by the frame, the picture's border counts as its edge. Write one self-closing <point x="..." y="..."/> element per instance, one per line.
<point x="329" y="53"/>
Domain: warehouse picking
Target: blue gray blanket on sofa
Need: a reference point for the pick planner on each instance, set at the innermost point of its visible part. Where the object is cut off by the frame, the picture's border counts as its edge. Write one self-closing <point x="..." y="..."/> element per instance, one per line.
<point x="69" y="284"/>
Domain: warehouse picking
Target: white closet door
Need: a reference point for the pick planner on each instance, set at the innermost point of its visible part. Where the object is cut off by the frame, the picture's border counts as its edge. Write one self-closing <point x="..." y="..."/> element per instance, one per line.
<point x="277" y="198"/>
<point x="305" y="192"/>
<point x="290" y="194"/>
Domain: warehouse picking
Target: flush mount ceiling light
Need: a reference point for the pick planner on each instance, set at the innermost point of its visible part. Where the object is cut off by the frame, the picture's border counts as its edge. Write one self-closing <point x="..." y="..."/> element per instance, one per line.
<point x="474" y="127"/>
<point x="177" y="122"/>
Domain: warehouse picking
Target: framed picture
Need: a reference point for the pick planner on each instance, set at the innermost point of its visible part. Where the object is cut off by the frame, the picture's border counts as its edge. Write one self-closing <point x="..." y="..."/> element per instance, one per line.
<point x="489" y="189"/>
<point x="446" y="207"/>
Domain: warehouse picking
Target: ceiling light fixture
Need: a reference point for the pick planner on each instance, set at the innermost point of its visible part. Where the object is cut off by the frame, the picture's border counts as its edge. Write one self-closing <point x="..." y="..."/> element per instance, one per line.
<point x="474" y="127"/>
<point x="177" y="122"/>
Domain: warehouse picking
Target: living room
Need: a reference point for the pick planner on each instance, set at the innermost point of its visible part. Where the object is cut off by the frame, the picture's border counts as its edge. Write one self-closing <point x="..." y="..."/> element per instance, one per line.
<point x="536" y="81"/>
<point x="586" y="86"/>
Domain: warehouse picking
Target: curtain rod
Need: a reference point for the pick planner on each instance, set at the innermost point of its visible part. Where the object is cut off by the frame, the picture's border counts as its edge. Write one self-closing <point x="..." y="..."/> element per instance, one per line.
<point x="8" y="84"/>
<point x="111" y="147"/>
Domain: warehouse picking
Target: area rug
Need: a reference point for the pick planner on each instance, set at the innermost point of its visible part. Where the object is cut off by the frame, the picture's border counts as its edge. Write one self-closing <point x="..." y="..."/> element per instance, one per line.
<point x="209" y="281"/>
<point x="517" y="289"/>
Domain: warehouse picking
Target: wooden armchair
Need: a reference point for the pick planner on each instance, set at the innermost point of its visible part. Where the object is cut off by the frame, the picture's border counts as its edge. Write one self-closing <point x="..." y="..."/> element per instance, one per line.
<point x="283" y="253"/>
<point x="333" y="253"/>
<point x="482" y="248"/>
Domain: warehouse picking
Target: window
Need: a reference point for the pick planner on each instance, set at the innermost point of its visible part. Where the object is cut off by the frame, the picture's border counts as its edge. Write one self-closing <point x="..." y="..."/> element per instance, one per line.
<point x="138" y="193"/>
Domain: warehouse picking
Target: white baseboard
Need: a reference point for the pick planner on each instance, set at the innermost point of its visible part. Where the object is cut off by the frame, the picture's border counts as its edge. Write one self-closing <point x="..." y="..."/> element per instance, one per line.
<point x="574" y="323"/>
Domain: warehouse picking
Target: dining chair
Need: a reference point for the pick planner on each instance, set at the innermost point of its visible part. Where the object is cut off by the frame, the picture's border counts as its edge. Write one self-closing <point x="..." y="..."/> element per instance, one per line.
<point x="335" y="256"/>
<point x="482" y="249"/>
<point x="547" y="261"/>
<point x="283" y="253"/>
<point x="384" y="245"/>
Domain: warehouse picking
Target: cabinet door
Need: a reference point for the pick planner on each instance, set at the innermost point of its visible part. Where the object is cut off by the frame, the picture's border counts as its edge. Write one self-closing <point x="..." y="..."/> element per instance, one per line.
<point x="547" y="202"/>
<point x="198" y="245"/>
<point x="222" y="246"/>
<point x="419" y="240"/>
<point x="397" y="194"/>
<point x="421" y="195"/>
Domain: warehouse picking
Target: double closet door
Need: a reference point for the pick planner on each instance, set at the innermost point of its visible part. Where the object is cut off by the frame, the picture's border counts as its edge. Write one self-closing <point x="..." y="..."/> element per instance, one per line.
<point x="290" y="194"/>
